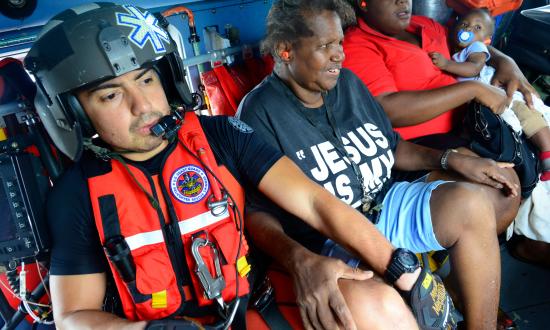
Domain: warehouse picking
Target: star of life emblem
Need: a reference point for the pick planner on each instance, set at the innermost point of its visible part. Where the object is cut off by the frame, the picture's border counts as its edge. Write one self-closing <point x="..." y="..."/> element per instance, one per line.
<point x="145" y="28"/>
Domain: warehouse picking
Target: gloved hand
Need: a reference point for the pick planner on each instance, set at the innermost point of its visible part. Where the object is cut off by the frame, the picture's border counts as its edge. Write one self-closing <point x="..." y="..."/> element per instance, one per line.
<point x="431" y="305"/>
<point x="173" y="325"/>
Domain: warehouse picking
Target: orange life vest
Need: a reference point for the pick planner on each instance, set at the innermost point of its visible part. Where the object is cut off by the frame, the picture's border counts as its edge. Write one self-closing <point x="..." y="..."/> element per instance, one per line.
<point x="160" y="238"/>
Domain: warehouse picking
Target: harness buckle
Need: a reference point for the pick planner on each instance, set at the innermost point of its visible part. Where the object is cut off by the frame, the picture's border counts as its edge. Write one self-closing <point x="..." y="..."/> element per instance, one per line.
<point x="263" y="295"/>
<point x="217" y="207"/>
<point x="212" y="286"/>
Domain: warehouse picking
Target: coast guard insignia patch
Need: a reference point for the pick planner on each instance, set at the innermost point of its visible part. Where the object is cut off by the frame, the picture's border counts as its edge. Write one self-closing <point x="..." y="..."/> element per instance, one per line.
<point x="189" y="184"/>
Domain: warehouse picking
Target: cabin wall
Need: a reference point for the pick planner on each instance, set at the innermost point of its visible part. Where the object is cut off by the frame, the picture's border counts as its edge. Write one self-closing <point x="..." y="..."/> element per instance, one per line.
<point x="248" y="16"/>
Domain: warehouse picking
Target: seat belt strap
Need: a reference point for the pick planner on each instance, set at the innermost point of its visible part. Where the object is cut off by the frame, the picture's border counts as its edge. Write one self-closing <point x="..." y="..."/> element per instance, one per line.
<point x="272" y="315"/>
<point x="264" y="303"/>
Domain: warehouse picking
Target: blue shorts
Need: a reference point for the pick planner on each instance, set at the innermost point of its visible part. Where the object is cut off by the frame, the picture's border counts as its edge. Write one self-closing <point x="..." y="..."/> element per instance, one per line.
<point x="405" y="220"/>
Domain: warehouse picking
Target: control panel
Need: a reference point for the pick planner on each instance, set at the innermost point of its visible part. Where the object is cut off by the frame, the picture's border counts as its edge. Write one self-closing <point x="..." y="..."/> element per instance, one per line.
<point x="23" y="187"/>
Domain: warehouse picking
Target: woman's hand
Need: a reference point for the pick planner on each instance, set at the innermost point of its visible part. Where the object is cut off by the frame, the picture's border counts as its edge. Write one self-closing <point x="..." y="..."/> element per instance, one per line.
<point x="318" y="295"/>
<point x="491" y="97"/>
<point x="483" y="170"/>
<point x="509" y="76"/>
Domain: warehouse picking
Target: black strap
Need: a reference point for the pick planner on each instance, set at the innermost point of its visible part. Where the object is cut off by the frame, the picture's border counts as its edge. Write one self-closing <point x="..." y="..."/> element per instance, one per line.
<point x="138" y="297"/>
<point x="263" y="300"/>
<point x="239" y="322"/>
<point x="109" y="216"/>
<point x="111" y="228"/>
<point x="273" y="317"/>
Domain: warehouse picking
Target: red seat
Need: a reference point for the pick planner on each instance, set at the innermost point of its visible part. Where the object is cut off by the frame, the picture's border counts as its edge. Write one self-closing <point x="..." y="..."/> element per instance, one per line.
<point x="225" y="86"/>
<point x="496" y="7"/>
<point x="285" y="299"/>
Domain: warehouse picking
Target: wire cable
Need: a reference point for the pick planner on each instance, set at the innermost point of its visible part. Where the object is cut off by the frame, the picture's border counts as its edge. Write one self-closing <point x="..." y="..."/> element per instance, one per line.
<point x="239" y="229"/>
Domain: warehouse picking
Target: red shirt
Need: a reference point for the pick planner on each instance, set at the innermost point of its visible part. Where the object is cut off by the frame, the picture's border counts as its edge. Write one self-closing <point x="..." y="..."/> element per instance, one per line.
<point x="387" y="65"/>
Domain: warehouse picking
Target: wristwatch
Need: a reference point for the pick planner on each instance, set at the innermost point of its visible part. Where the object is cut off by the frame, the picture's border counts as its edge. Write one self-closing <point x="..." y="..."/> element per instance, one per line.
<point x="402" y="261"/>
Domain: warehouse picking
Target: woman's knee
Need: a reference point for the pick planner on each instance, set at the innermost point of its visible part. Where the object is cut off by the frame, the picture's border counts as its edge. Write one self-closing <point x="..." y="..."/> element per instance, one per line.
<point x="376" y="305"/>
<point x="505" y="205"/>
<point x="460" y="207"/>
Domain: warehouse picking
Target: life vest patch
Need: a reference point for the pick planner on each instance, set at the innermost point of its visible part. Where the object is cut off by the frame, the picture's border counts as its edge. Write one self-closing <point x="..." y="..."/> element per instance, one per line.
<point x="145" y="28"/>
<point x="239" y="125"/>
<point x="189" y="184"/>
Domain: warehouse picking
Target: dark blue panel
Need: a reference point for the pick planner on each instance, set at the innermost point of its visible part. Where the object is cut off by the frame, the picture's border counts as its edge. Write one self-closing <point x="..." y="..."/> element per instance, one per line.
<point x="247" y="16"/>
<point x="46" y="9"/>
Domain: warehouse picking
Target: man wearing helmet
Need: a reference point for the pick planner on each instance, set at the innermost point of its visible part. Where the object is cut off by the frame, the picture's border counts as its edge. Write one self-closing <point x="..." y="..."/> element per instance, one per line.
<point x="165" y="207"/>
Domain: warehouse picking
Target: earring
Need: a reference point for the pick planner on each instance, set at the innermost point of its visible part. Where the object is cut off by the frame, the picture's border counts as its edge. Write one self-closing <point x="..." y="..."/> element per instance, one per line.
<point x="285" y="55"/>
<point x="363" y="4"/>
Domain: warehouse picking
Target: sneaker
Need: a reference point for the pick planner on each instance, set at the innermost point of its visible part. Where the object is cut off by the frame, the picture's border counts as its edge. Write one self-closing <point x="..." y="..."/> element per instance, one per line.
<point x="431" y="305"/>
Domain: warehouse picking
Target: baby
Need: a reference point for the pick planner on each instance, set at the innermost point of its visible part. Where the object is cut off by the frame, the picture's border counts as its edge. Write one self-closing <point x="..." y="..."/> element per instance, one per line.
<point x="471" y="36"/>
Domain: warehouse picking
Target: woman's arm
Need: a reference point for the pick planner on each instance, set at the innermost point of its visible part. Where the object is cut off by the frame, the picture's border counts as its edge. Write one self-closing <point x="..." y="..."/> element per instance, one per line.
<point x="406" y="108"/>
<point x="413" y="157"/>
<point x="509" y="76"/>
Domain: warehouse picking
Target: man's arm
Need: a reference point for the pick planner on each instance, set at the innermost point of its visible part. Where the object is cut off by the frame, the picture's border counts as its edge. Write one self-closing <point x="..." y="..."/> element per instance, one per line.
<point x="315" y="277"/>
<point x="509" y="76"/>
<point x="470" y="68"/>
<point x="77" y="301"/>
<point x="289" y="188"/>
<point x="406" y="108"/>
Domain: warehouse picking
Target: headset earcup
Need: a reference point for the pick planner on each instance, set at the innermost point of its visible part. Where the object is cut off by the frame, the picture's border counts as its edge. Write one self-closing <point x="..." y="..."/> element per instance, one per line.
<point x="178" y="71"/>
<point x="80" y="116"/>
<point x="172" y="73"/>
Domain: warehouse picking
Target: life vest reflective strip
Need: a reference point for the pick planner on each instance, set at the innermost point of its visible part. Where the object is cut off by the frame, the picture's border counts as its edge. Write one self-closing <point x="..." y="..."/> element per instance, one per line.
<point x="121" y="208"/>
<point x="186" y="226"/>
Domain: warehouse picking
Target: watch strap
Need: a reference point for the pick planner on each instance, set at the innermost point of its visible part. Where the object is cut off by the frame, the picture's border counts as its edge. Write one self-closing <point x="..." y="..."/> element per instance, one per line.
<point x="393" y="272"/>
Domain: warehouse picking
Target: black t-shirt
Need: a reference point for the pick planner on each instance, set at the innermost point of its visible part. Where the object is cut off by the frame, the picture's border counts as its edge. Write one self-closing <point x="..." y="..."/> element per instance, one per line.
<point x="76" y="248"/>
<point x="308" y="138"/>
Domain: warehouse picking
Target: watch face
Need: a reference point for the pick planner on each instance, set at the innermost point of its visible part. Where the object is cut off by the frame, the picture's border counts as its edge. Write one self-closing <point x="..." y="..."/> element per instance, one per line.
<point x="408" y="259"/>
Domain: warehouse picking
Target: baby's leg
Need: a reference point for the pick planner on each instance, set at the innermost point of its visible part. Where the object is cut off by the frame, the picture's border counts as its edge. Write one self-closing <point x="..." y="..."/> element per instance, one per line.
<point x="509" y="116"/>
<point x="532" y="122"/>
<point x="538" y="104"/>
<point x="541" y="139"/>
<point x="536" y="129"/>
